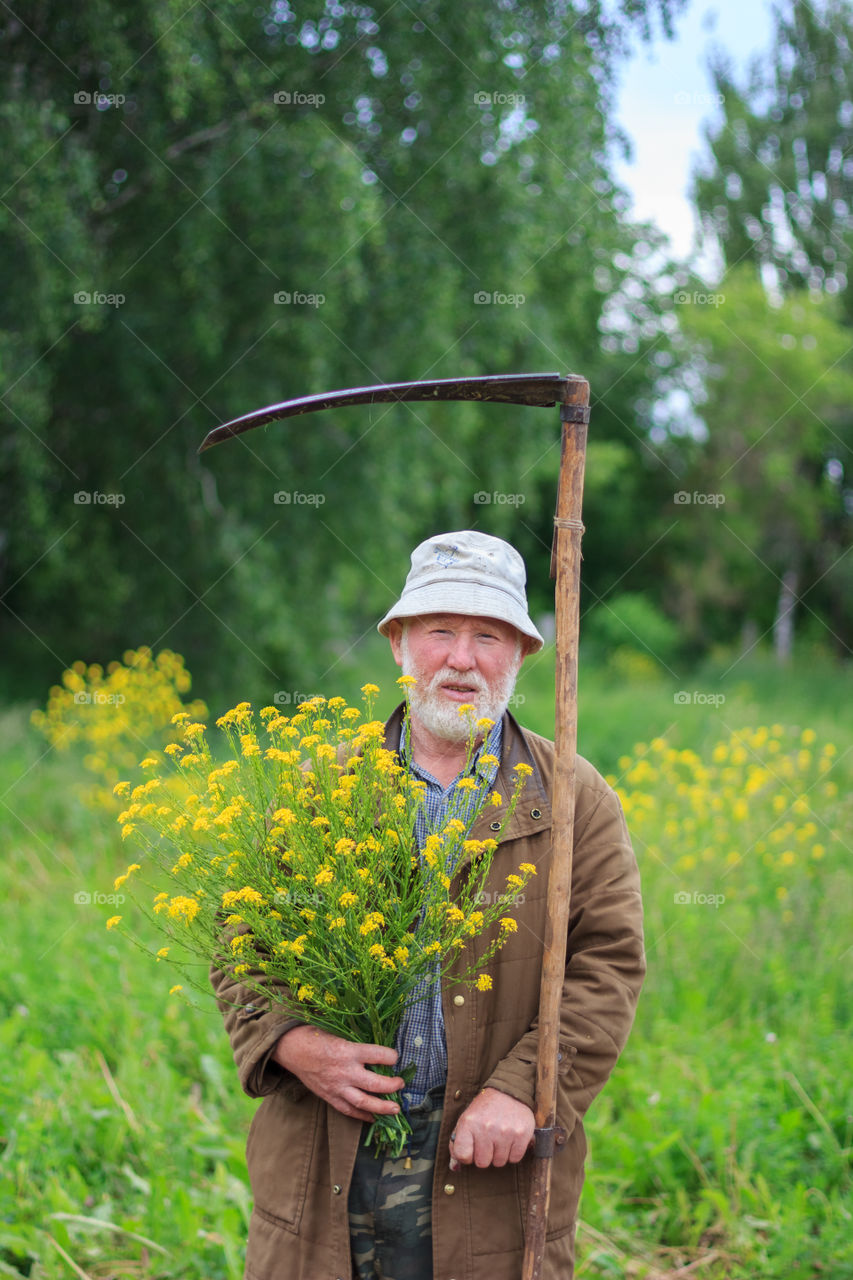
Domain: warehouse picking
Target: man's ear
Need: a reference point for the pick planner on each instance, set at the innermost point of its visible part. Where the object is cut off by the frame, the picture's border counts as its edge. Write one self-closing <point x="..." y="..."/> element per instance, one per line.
<point x="395" y="635"/>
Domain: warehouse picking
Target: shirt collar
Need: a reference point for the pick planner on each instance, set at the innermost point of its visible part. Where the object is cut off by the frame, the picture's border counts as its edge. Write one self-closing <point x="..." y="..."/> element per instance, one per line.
<point x="492" y="745"/>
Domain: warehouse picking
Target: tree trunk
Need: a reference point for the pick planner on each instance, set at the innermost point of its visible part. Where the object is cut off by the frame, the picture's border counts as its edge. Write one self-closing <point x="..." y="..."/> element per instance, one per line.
<point x="783" y="626"/>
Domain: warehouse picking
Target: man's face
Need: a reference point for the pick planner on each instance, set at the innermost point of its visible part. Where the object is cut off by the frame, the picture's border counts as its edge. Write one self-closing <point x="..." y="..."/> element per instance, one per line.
<point x="456" y="660"/>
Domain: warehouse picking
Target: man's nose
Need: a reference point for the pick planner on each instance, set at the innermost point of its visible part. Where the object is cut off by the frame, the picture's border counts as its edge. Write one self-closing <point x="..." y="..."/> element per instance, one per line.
<point x="461" y="654"/>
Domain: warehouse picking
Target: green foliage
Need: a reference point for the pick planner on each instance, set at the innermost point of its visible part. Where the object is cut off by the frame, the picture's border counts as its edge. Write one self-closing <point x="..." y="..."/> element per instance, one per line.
<point x="631" y="622"/>
<point x="414" y="163"/>
<point x="778" y="191"/>
<point x="765" y="496"/>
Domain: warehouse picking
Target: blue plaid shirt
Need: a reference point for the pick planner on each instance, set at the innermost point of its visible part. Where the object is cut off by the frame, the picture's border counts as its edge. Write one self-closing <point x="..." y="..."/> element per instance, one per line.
<point x="421" y="1036"/>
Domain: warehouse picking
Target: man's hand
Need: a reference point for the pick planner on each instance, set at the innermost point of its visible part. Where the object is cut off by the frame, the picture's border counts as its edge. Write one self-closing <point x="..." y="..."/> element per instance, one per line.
<point x="493" y="1129"/>
<point x="336" y="1070"/>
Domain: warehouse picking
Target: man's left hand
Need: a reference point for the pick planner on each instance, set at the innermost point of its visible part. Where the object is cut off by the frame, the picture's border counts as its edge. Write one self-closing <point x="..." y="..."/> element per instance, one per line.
<point x="493" y="1129"/>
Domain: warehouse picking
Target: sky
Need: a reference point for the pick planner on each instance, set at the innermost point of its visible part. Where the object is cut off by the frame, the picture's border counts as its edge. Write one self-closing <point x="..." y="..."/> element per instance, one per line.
<point x="666" y="96"/>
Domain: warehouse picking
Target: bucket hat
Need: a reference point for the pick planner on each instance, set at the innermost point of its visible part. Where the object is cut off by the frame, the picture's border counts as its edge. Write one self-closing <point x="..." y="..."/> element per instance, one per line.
<point x="470" y="573"/>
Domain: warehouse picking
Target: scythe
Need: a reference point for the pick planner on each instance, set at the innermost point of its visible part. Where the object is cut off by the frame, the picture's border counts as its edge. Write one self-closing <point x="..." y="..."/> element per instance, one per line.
<point x="543" y="390"/>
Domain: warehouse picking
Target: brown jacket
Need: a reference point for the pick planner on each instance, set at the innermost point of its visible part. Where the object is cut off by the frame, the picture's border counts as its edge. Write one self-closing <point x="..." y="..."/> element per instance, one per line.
<point x="301" y="1152"/>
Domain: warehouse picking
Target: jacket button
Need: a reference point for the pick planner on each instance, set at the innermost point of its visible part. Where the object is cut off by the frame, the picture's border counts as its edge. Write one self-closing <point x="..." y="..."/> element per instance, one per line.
<point x="495" y="826"/>
<point x="457" y="1095"/>
<point x="536" y="813"/>
<point x="336" y="1189"/>
<point x="460" y="1000"/>
<point x="449" y="1188"/>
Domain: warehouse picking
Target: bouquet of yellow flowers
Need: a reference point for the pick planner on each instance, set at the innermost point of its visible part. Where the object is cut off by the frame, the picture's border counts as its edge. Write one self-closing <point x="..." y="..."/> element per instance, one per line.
<point x="293" y="864"/>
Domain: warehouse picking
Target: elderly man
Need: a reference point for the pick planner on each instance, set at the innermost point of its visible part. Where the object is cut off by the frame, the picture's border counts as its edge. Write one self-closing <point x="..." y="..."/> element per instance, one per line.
<point x="453" y="1206"/>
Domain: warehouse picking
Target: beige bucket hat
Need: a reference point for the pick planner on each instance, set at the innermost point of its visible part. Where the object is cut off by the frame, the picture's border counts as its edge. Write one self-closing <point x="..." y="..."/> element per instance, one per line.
<point x="469" y="573"/>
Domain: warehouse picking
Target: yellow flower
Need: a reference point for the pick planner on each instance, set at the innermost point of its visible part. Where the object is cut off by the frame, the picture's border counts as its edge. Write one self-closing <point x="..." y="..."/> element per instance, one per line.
<point x="368" y="689"/>
<point x="126" y="830"/>
<point x="401" y="955"/>
<point x="454" y="915"/>
<point x="466" y="784"/>
<point x="405" y="681"/>
<point x="162" y="953"/>
<point x="523" y="770"/>
<point x="484" y="982"/>
<point x="496" y="799"/>
<point x="337" y="922"/>
<point x="173" y="991"/>
<point x="377" y="951"/>
<point x="330" y="997"/>
<point x="348" y="899"/>
<point x="484" y="724"/>
<point x="183" y="908"/>
<point x="343" y="846"/>
<point x="305" y="993"/>
<point x="508" y="925"/>
<point x="121" y="788"/>
<point x="246" y="894"/>
<point x="466" y="709"/>
<point x="515" y="881"/>
<point x="373" y="921"/>
<point x="113" y="921"/>
<point x="324" y="876"/>
<point x="528" y="868"/>
<point x="150" y="762"/>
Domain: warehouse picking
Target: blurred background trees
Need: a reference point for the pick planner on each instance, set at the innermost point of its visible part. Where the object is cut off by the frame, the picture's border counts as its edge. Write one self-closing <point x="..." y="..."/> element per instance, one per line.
<point x="262" y="202"/>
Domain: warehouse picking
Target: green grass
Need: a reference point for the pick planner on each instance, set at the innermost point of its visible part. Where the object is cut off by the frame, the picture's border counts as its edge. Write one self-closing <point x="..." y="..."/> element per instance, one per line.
<point x="723" y="1139"/>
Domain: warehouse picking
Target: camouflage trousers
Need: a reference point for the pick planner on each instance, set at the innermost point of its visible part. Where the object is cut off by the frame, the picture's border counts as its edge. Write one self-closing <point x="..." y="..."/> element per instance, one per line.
<point x="390" y="1206"/>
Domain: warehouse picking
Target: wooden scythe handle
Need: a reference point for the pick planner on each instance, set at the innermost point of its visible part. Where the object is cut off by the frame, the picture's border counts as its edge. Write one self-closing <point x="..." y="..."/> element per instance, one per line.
<point x="566" y="562"/>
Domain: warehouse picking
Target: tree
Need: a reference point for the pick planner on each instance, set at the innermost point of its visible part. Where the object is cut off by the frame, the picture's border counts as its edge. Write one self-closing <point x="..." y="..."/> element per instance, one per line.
<point x="763" y="504"/>
<point x="778" y="188"/>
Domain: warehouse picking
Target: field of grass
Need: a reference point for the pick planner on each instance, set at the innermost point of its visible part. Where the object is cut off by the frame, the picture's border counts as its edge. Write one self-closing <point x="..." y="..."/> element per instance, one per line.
<point x="721" y="1147"/>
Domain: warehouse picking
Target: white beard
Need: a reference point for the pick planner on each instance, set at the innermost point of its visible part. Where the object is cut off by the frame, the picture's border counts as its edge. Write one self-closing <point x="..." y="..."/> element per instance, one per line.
<point x="440" y="716"/>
